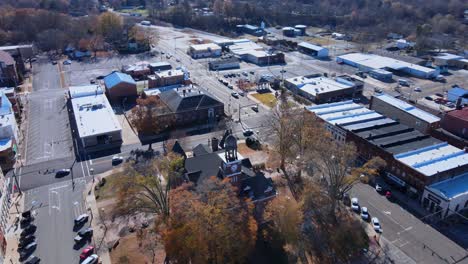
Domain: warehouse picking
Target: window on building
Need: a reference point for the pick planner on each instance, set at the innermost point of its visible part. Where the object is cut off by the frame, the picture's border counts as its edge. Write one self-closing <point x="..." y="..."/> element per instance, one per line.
<point x="456" y="207"/>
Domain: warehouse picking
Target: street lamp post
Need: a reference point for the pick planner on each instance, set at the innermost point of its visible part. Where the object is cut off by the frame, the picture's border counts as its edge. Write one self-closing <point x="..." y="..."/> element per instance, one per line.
<point x="92" y="172"/>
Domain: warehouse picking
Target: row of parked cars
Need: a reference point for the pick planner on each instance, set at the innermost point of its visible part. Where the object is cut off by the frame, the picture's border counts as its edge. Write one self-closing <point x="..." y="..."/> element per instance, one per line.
<point x="364" y="211"/>
<point x="27" y="243"/>
<point x="88" y="255"/>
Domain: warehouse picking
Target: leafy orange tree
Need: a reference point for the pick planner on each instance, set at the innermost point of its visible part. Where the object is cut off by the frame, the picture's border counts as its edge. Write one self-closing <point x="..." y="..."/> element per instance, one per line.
<point x="150" y="116"/>
<point x="210" y="225"/>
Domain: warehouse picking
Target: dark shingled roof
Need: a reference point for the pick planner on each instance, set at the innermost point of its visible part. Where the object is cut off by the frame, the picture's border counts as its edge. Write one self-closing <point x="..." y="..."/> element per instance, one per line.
<point x="194" y="100"/>
<point x="177" y="148"/>
<point x="200" y="168"/>
<point x="257" y="187"/>
<point x="200" y="149"/>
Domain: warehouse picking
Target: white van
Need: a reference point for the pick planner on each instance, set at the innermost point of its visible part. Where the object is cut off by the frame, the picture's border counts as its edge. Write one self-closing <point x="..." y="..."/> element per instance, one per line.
<point x="145" y="23"/>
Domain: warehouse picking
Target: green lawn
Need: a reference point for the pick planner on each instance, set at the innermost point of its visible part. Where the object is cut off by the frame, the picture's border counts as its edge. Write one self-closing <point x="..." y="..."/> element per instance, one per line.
<point x="267" y="99"/>
<point x="143" y="12"/>
<point x="109" y="189"/>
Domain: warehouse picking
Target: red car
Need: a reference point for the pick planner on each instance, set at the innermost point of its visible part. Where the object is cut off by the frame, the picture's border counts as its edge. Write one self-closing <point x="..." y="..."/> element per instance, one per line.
<point x="388" y="194"/>
<point x="87" y="252"/>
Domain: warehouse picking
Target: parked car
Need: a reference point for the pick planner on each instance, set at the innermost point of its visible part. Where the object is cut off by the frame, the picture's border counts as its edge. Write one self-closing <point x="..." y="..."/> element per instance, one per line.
<point x="440" y="78"/>
<point x="417" y="89"/>
<point x="248" y="132"/>
<point x="86" y="233"/>
<point x="429" y="98"/>
<point x="100" y="77"/>
<point x="67" y="62"/>
<point x="364" y="214"/>
<point x="252" y="72"/>
<point x="346" y="199"/>
<point x="27" y="238"/>
<point x="376" y="224"/>
<point x="378" y="187"/>
<point x="355" y="204"/>
<point x="86" y="252"/>
<point x="388" y="194"/>
<point x="62" y="172"/>
<point x="91" y="259"/>
<point x="255" y="108"/>
<point x="28" y="230"/>
<point x="32" y="260"/>
<point x="235" y="95"/>
<point x="81" y="219"/>
<point x="26" y="241"/>
<point x="54" y="62"/>
<point x="29" y="247"/>
<point x="440" y="95"/>
<point x="242" y="94"/>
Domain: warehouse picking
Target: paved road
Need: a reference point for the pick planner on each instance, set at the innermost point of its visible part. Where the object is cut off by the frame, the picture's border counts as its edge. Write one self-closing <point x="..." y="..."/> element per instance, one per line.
<point x="411" y="235"/>
<point x="48" y="135"/>
<point x="55" y="207"/>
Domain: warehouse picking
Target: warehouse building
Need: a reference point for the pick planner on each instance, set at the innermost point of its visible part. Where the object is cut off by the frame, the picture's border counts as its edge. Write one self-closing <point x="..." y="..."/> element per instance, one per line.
<point x="137" y="70"/>
<point x="96" y="123"/>
<point x="254" y="53"/>
<point x="381" y="75"/>
<point x="404" y="113"/>
<point x="319" y="89"/>
<point x="224" y="64"/>
<point x="451" y="60"/>
<point x="456" y="122"/>
<point x="369" y="62"/>
<point x="312" y="50"/>
<point x="250" y="29"/>
<point x="289" y="32"/>
<point x="457" y="92"/>
<point x="208" y="50"/>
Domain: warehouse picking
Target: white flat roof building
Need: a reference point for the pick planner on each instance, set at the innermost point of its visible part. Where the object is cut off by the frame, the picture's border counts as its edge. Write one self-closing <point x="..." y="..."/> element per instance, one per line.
<point x="342" y="113"/>
<point x="320" y="89"/>
<point x="434" y="159"/>
<point x="85" y="90"/>
<point x="95" y="119"/>
<point x="370" y="62"/>
<point x="408" y="108"/>
<point x="207" y="46"/>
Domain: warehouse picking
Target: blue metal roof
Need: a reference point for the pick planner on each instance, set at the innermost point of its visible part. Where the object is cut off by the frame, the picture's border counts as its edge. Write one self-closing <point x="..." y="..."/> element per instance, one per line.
<point x="457" y="91"/>
<point x="451" y="188"/>
<point x="115" y="78"/>
<point x="5" y="105"/>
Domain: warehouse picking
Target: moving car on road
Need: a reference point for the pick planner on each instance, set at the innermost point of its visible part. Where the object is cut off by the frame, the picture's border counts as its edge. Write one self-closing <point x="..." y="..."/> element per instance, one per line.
<point x="376" y="224"/>
<point x="355" y="204"/>
<point x="116" y="159"/>
<point x="62" y="172"/>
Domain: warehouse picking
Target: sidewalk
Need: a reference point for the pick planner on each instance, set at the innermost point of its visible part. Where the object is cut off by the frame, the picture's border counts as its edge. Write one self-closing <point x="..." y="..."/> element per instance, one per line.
<point x="385" y="251"/>
<point x="97" y="224"/>
<point x="13" y="231"/>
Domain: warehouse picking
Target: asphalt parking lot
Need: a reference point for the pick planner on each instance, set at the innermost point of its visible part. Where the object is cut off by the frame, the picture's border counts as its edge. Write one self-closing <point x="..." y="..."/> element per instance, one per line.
<point x="55" y="207"/>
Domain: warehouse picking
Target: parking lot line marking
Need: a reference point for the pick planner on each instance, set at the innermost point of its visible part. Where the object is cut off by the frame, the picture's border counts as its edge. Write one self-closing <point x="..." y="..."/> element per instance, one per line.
<point x="58" y="187"/>
<point x="404" y="244"/>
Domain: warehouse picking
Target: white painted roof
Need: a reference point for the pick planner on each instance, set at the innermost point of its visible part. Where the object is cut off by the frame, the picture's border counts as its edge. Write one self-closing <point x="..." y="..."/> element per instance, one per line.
<point x="85" y="90"/>
<point x="201" y="47"/>
<point x="164" y="74"/>
<point x="408" y="108"/>
<point x="378" y="62"/>
<point x="311" y="46"/>
<point x="434" y="159"/>
<point x="343" y="112"/>
<point x="317" y="85"/>
<point x="448" y="56"/>
<point x="94" y="115"/>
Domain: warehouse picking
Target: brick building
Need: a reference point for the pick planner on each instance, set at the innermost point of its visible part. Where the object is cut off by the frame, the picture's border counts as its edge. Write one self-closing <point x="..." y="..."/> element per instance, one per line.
<point x="119" y="86"/>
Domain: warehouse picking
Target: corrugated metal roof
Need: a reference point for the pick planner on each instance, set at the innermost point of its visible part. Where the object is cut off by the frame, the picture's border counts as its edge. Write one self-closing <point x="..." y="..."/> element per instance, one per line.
<point x="451" y="188"/>
<point x="408" y="108"/>
<point x="115" y="78"/>
<point x="458" y="91"/>
<point x="310" y="46"/>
